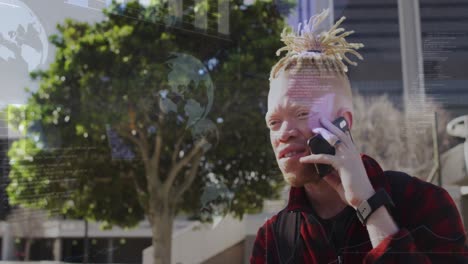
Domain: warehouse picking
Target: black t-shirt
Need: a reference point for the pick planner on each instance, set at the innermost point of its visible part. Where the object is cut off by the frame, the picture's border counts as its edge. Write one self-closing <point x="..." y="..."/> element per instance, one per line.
<point x="335" y="227"/>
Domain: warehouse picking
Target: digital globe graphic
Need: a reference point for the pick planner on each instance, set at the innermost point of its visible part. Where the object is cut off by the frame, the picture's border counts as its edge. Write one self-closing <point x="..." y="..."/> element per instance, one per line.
<point x="23" y="46"/>
<point x="190" y="95"/>
<point x="216" y="201"/>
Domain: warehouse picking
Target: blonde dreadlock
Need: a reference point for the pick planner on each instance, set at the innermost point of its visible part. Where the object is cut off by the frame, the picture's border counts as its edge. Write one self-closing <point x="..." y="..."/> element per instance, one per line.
<point x="325" y="50"/>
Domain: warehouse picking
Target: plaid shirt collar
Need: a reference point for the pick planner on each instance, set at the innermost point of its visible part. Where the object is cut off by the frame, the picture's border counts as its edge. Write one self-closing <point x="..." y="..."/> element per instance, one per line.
<point x="297" y="196"/>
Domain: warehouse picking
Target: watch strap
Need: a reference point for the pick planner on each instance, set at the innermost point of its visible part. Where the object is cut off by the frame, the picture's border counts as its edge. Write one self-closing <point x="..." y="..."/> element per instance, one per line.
<point x="369" y="206"/>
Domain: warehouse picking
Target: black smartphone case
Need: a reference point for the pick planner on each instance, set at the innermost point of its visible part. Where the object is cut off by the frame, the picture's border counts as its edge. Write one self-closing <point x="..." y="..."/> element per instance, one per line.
<point x="318" y="145"/>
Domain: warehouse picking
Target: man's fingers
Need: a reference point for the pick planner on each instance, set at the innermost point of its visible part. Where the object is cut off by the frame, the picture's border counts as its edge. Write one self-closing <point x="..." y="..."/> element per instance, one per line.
<point x="327" y="135"/>
<point x="334" y="129"/>
<point x="318" y="158"/>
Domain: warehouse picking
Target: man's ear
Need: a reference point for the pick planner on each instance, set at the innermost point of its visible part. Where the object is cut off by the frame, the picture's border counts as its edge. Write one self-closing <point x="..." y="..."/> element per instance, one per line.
<point x="348" y="115"/>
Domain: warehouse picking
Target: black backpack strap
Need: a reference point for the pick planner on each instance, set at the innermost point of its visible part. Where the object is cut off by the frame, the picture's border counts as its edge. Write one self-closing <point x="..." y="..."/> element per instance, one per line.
<point x="288" y="236"/>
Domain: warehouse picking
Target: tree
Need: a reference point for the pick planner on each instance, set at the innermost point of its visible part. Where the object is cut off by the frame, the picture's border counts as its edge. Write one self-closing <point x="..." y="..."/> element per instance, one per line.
<point x="380" y="130"/>
<point x="127" y="121"/>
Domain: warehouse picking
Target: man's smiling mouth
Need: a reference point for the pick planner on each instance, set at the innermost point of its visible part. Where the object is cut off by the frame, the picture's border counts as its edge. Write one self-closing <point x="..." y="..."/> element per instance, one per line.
<point x="286" y="154"/>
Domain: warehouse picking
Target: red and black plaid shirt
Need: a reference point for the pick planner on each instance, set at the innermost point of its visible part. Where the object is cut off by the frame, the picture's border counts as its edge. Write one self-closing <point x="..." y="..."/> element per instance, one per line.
<point x="431" y="230"/>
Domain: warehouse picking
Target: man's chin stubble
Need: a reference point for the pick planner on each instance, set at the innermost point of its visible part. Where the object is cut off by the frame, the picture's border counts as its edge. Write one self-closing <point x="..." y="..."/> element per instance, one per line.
<point x="292" y="180"/>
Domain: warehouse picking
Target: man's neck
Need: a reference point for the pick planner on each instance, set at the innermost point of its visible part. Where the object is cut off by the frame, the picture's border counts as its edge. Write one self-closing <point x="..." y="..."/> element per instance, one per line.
<point x="324" y="199"/>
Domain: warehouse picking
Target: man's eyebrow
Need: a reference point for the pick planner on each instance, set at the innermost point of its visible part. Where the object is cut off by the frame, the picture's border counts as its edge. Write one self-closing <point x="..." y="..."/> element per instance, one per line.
<point x="296" y="107"/>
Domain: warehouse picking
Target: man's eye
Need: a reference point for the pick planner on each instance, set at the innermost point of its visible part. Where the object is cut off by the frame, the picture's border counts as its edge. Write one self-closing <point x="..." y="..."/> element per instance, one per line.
<point x="272" y="123"/>
<point x="302" y="114"/>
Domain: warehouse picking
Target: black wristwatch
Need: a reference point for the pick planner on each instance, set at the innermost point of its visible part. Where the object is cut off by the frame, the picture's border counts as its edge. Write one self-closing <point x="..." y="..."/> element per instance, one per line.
<point x="366" y="208"/>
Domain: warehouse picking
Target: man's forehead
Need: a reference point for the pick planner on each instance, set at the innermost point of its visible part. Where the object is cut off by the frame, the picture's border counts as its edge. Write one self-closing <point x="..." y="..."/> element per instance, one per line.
<point x="316" y="104"/>
<point x="303" y="89"/>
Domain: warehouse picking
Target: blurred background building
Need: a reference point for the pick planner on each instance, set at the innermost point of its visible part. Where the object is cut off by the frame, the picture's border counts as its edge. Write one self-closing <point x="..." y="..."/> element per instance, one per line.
<point x="444" y="42"/>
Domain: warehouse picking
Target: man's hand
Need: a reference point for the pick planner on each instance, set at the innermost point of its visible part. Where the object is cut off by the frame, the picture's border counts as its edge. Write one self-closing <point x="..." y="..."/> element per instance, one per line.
<point x="349" y="178"/>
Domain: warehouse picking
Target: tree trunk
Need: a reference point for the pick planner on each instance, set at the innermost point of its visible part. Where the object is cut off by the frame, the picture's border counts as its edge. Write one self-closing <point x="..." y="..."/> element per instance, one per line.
<point x="27" y="248"/>
<point x="162" y="237"/>
<point x="86" y="243"/>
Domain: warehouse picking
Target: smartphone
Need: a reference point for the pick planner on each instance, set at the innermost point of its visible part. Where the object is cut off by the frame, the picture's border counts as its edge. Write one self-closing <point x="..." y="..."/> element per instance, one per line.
<point x="318" y="145"/>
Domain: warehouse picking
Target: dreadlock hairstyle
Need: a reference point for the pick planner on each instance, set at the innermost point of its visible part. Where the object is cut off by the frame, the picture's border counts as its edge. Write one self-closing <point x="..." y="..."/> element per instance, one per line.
<point x="324" y="51"/>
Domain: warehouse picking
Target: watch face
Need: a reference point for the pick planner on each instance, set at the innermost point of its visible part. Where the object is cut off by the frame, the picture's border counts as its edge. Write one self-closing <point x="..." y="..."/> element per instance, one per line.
<point x="363" y="211"/>
<point x="366" y="208"/>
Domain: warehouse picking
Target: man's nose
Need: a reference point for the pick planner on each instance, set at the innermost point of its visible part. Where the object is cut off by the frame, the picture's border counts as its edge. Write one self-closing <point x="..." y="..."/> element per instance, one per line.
<point x="287" y="131"/>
